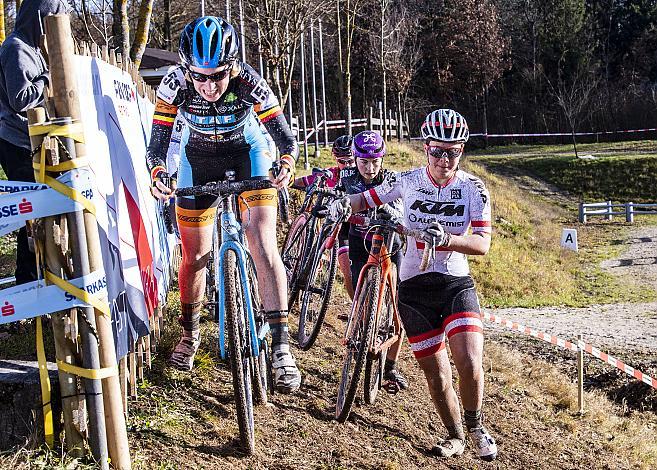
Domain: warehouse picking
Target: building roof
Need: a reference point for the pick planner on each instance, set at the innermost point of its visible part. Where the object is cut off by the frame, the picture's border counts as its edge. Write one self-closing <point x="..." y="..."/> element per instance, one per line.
<point x="156" y="58"/>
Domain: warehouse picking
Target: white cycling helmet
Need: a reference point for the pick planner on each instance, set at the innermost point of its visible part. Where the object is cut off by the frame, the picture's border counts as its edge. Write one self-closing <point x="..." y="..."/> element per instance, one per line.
<point x="445" y="125"/>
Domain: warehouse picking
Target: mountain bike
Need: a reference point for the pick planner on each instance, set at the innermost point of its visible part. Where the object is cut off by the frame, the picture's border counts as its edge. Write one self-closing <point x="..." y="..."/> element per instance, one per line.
<point x="310" y="255"/>
<point x="242" y="326"/>
<point x="373" y="324"/>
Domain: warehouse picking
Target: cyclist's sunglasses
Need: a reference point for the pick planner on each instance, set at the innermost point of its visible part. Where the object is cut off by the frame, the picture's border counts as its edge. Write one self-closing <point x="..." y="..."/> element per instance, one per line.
<point x="437" y="152"/>
<point x="345" y="160"/>
<point x="215" y="77"/>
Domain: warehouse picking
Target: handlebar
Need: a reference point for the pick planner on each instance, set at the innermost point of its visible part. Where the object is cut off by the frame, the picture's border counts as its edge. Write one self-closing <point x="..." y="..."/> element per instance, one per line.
<point x="428" y="253"/>
<point x="218" y="188"/>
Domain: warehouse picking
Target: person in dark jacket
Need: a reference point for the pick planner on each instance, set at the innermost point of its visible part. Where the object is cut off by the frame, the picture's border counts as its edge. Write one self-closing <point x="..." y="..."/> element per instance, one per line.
<point x="23" y="78"/>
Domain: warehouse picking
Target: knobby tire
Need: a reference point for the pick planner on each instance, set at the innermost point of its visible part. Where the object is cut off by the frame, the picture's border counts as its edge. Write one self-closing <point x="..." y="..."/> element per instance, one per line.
<point x="238" y="344"/>
<point x="376" y="362"/>
<point x="358" y="343"/>
<point x="311" y="318"/>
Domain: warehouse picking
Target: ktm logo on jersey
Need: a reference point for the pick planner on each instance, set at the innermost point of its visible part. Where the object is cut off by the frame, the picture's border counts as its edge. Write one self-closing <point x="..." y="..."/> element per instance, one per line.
<point x="447" y="209"/>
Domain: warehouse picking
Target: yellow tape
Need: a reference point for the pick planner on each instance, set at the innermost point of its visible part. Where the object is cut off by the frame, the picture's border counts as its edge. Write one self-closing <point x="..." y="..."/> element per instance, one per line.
<point x="64" y="166"/>
<point x="70" y="193"/>
<point x="93" y="374"/>
<point x="84" y="296"/>
<point x="74" y="131"/>
<point x="48" y="428"/>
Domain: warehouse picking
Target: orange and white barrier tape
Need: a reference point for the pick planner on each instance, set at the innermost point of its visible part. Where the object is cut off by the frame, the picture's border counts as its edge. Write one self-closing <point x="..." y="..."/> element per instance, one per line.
<point x="595" y="352"/>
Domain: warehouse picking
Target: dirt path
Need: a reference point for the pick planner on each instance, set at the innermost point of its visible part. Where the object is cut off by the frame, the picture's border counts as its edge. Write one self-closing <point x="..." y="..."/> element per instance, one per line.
<point x="624" y="326"/>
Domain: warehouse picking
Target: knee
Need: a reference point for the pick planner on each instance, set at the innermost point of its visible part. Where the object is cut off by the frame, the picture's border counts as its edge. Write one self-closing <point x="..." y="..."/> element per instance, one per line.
<point x="470" y="367"/>
<point x="196" y="261"/>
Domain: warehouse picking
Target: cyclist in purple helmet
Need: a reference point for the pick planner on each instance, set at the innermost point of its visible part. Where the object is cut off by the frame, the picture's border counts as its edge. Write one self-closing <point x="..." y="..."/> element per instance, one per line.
<point x="369" y="150"/>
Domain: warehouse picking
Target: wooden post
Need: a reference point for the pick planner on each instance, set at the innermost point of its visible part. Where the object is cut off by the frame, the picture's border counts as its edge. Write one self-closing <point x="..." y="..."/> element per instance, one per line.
<point x="140" y="359"/>
<point x="370" y="118"/>
<point x="580" y="375"/>
<point x="60" y="41"/>
<point x="610" y="209"/>
<point x="629" y="212"/>
<point x="582" y="213"/>
<point x="132" y="369"/>
<point x="381" y="118"/>
<point x="123" y="379"/>
<point x="65" y="350"/>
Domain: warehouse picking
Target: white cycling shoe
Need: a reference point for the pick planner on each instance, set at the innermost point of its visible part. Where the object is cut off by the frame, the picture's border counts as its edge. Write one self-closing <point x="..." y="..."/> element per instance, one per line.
<point x="484" y="443"/>
<point x="287" y="377"/>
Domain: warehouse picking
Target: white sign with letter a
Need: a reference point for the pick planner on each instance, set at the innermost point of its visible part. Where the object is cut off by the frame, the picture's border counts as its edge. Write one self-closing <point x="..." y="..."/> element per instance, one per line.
<point x="569" y="239"/>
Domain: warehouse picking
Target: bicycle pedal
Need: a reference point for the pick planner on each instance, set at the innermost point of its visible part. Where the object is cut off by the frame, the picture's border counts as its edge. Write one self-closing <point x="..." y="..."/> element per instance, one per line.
<point x="391" y="387"/>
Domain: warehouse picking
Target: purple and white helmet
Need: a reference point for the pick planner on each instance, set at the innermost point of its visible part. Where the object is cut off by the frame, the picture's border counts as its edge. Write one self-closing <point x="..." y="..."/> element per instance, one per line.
<point x="369" y="144"/>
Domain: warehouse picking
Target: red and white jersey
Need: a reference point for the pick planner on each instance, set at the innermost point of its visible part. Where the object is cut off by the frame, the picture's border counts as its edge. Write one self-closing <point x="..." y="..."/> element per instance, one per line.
<point x="460" y="204"/>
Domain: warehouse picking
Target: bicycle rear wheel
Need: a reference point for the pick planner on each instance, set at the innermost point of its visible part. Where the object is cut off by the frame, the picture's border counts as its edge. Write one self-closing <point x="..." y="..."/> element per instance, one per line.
<point x="292" y="254"/>
<point x="316" y="293"/>
<point x="358" y="342"/>
<point x="376" y="361"/>
<point x="238" y="349"/>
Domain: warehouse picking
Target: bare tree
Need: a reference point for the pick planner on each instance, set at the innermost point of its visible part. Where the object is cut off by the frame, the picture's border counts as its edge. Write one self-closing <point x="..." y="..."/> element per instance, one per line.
<point x="474" y="51"/>
<point x="121" y="27"/>
<point x="574" y="95"/>
<point x="351" y="9"/>
<point x="280" y="23"/>
<point x="141" y="34"/>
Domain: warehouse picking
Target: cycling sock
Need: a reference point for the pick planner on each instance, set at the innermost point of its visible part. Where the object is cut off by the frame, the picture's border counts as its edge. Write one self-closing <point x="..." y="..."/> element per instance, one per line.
<point x="390" y="365"/>
<point x="190" y="317"/>
<point x="455" y="431"/>
<point x="472" y="419"/>
<point x="277" y="320"/>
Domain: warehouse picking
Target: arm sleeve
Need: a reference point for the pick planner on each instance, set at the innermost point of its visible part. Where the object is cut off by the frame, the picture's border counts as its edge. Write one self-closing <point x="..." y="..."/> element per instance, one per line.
<point x="269" y="112"/>
<point x="388" y="191"/>
<point x="24" y="90"/>
<point x="166" y="110"/>
<point x="480" y="207"/>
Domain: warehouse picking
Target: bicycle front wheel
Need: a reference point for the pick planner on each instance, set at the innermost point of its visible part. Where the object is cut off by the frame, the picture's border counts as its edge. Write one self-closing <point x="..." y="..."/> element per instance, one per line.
<point x="376" y="360"/>
<point x="357" y="343"/>
<point x="292" y="254"/>
<point x="238" y="350"/>
<point x="260" y="364"/>
<point x="316" y="294"/>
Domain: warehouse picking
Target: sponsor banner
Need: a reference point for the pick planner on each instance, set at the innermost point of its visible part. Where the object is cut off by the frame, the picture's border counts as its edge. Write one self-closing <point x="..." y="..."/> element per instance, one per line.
<point x="36" y="298"/>
<point x="18" y="207"/>
<point x="134" y="243"/>
<point x="15" y="186"/>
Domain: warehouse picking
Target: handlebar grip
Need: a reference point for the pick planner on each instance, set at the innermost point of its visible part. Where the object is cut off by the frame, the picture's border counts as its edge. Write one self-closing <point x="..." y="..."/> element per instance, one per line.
<point x="166" y="215"/>
<point x="427" y="256"/>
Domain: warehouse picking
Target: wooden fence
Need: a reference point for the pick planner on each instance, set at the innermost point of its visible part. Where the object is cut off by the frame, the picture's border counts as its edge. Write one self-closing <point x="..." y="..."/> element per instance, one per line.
<point x="608" y="210"/>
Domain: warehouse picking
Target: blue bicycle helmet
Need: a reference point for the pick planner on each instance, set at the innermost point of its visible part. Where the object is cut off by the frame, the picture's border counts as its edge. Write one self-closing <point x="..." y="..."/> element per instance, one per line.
<point x="208" y="42"/>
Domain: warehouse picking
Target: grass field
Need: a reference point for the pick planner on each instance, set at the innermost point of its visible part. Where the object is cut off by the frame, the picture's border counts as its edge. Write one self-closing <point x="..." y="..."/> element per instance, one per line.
<point x="619" y="171"/>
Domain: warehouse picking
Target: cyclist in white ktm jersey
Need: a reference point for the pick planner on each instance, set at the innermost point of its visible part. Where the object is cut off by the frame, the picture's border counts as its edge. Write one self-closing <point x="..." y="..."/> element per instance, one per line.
<point x="440" y="304"/>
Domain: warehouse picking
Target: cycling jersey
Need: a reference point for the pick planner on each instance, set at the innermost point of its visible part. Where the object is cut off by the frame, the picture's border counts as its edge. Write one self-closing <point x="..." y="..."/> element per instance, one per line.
<point x="353" y="183"/>
<point x="463" y="202"/>
<point x="332" y="182"/>
<point x="228" y="129"/>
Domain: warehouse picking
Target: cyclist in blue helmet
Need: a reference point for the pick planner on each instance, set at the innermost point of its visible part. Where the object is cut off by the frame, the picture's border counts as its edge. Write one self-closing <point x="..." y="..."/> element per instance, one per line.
<point x="228" y="109"/>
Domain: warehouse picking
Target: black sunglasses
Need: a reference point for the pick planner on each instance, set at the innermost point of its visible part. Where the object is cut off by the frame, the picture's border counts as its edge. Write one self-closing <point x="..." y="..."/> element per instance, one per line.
<point x="215" y="77"/>
<point x="345" y="160"/>
<point x="438" y="152"/>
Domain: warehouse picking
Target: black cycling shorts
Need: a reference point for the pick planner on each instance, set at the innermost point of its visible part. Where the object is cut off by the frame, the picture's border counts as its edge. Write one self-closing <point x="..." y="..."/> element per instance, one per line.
<point x="435" y="306"/>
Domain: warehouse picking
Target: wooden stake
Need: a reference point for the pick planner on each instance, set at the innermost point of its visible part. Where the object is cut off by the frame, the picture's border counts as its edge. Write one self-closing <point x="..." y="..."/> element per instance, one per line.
<point x="67" y="104"/>
<point x="580" y="376"/>
<point x="64" y="350"/>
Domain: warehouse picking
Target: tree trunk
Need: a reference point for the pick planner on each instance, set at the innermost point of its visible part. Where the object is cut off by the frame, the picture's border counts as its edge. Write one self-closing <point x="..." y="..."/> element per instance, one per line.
<point x="572" y="129"/>
<point x="2" y="21"/>
<point x="383" y="73"/>
<point x="484" y="120"/>
<point x="167" y="24"/>
<point x="141" y="35"/>
<point x="18" y="4"/>
<point x="121" y="27"/>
